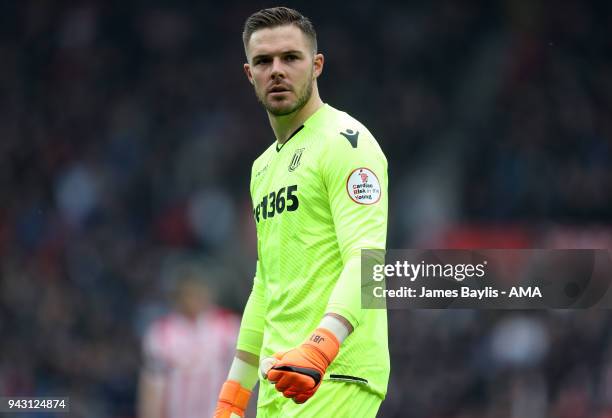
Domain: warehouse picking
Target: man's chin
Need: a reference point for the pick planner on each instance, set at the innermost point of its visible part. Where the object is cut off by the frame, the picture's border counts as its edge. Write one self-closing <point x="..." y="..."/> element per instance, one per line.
<point x="278" y="109"/>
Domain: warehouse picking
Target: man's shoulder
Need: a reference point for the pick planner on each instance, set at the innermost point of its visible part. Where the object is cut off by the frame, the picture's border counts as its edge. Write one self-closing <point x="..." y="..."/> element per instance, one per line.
<point x="344" y="132"/>
<point x="263" y="159"/>
<point x="334" y="120"/>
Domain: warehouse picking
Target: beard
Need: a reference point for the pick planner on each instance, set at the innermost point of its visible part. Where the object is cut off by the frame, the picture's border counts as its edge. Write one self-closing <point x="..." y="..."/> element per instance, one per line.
<point x="282" y="109"/>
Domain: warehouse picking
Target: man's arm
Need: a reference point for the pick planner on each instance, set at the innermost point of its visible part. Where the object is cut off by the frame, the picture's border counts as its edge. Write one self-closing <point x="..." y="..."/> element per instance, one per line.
<point x="247" y="357"/>
<point x="243" y="374"/>
<point x="250" y="337"/>
<point x="356" y="180"/>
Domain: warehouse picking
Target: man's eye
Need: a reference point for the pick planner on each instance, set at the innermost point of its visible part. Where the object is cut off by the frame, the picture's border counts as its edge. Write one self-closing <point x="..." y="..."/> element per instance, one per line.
<point x="262" y="61"/>
<point x="291" y="57"/>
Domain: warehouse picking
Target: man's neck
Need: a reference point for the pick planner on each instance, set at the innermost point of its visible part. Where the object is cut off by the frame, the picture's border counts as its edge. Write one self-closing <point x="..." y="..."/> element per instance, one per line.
<point x="284" y="126"/>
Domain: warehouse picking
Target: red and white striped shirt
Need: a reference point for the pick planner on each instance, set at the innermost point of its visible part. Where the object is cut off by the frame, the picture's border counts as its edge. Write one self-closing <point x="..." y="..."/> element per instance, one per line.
<point x="193" y="356"/>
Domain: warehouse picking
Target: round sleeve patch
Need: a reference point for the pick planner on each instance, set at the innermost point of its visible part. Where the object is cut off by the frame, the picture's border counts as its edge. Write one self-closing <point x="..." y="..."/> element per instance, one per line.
<point x="363" y="186"/>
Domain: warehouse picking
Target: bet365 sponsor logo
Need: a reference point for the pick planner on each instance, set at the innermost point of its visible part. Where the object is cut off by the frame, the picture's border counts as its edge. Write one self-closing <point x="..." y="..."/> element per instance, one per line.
<point x="276" y="202"/>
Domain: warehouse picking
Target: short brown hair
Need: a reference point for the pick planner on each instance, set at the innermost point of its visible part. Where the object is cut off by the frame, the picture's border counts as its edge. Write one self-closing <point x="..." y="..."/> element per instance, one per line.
<point x="278" y="16"/>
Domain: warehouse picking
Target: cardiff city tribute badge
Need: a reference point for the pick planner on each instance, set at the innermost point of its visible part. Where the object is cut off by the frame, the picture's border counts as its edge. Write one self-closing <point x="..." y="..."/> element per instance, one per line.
<point x="363" y="186"/>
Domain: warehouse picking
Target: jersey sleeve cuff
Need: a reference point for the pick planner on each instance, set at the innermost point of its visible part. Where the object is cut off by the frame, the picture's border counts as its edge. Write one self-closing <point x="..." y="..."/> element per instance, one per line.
<point x="248" y="348"/>
<point x="344" y="312"/>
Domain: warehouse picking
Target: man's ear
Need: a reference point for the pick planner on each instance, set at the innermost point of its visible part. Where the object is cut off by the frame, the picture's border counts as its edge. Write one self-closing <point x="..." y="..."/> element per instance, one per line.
<point x="318" y="62"/>
<point x="247" y="71"/>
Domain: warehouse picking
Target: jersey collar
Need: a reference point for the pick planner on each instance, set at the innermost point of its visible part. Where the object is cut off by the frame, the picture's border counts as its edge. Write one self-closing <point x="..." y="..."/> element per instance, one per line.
<point x="312" y="119"/>
<point x="280" y="147"/>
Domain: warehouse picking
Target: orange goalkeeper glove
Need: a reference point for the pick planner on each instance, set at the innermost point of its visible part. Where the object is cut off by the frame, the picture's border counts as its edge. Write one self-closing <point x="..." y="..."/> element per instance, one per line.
<point x="298" y="372"/>
<point x="233" y="400"/>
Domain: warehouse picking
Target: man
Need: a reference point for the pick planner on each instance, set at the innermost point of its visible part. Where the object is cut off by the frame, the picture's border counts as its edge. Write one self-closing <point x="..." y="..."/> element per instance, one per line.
<point x="182" y="369"/>
<point x="320" y="197"/>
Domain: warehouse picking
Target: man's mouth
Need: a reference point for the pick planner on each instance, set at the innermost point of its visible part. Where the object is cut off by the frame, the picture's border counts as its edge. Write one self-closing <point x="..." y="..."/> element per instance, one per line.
<point x="278" y="89"/>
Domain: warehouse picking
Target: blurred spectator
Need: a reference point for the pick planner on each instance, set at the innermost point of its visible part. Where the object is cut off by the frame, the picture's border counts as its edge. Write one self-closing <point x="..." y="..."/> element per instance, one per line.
<point x="186" y="354"/>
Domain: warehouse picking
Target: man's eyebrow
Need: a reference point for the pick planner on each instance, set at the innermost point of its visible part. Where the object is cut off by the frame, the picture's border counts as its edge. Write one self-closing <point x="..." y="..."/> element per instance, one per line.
<point x="294" y="52"/>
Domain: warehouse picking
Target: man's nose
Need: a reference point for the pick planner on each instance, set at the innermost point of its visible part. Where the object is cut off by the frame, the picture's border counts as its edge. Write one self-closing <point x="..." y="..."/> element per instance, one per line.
<point x="278" y="69"/>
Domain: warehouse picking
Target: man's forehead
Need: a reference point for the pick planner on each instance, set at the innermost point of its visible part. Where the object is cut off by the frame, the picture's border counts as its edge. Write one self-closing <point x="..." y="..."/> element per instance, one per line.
<point x="277" y="40"/>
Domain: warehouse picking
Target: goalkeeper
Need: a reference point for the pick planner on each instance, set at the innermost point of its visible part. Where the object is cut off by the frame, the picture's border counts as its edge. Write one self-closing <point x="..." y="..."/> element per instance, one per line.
<point x="319" y="196"/>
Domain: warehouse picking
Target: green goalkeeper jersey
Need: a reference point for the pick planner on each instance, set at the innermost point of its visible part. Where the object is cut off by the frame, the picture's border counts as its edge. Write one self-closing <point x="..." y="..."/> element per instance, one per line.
<point x="318" y="200"/>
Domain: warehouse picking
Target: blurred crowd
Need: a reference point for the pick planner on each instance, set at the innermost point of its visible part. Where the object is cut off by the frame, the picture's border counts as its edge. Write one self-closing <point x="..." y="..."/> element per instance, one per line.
<point x="544" y="146"/>
<point x="127" y="132"/>
<point x="500" y="364"/>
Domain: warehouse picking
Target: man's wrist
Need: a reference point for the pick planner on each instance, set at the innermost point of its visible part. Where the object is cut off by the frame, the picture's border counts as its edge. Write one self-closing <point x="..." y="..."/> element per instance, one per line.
<point x="337" y="326"/>
<point x="243" y="373"/>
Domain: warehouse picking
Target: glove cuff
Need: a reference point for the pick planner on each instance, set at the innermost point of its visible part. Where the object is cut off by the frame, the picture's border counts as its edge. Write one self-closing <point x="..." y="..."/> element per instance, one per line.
<point x="235" y="395"/>
<point x="324" y="341"/>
